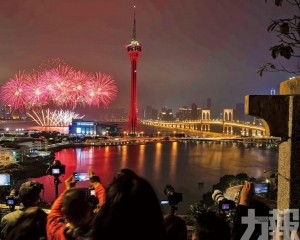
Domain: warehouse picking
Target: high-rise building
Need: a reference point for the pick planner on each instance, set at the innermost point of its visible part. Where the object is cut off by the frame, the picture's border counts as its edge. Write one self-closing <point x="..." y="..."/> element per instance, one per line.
<point x="150" y="113"/>
<point x="166" y="114"/>
<point x="184" y="113"/>
<point x="208" y="104"/>
<point x="134" y="50"/>
<point x="194" y="112"/>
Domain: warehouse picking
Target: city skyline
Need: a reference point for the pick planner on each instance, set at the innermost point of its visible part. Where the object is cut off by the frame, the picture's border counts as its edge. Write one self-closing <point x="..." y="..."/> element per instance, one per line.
<point x="194" y="51"/>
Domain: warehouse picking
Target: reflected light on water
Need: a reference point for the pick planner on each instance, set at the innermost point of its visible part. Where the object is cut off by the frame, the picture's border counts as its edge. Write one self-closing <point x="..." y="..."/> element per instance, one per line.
<point x="180" y="164"/>
<point x="174" y="155"/>
<point x="157" y="161"/>
<point x="141" y="159"/>
<point x="124" y="149"/>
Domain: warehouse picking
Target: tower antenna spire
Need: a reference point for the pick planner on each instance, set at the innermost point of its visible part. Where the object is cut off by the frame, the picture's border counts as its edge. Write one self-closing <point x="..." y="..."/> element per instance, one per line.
<point x="134" y="25"/>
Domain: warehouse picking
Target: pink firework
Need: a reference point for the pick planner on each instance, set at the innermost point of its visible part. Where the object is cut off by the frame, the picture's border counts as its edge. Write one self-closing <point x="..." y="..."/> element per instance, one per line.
<point x="78" y="90"/>
<point x="13" y="92"/>
<point x="60" y="85"/>
<point x="36" y="91"/>
<point x="101" y="90"/>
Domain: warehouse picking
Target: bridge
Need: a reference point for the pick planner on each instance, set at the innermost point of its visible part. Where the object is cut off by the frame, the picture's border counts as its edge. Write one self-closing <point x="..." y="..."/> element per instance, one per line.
<point x="221" y="126"/>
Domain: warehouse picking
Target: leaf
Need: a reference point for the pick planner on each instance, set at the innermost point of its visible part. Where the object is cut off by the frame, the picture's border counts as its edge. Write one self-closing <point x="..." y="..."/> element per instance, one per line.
<point x="286" y="52"/>
<point x="285" y="28"/>
<point x="275" y="53"/>
<point x="278" y="2"/>
<point x="277" y="49"/>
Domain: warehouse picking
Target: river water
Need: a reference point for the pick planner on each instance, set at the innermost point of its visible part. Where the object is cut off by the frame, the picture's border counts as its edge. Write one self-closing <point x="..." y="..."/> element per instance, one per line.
<point x="182" y="164"/>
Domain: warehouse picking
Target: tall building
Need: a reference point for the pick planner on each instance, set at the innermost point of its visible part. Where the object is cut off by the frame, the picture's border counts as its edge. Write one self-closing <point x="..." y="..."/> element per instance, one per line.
<point x="208" y="104"/>
<point x="166" y="114"/>
<point x="134" y="50"/>
<point x="194" y="111"/>
<point x="150" y="113"/>
<point x="184" y="113"/>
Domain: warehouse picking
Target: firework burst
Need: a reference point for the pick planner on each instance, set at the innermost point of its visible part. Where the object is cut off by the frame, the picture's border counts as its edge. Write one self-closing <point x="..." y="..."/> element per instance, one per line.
<point x="13" y="92"/>
<point x="58" y="84"/>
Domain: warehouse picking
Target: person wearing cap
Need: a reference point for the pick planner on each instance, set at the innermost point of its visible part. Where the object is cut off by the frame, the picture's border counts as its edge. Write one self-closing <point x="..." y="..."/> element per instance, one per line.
<point x="72" y="212"/>
<point x="29" y="196"/>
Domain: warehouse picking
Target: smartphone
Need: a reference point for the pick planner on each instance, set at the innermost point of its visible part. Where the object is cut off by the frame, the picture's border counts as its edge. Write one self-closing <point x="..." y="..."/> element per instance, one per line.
<point x="261" y="188"/>
<point x="5" y="179"/>
<point x="163" y="202"/>
<point x="81" y="176"/>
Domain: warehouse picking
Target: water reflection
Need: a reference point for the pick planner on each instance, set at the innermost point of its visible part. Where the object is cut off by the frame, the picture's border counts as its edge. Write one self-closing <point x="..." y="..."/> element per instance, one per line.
<point x="181" y="164"/>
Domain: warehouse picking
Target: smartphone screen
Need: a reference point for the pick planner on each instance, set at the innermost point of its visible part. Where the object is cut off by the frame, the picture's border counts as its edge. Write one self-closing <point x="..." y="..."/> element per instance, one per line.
<point x="5" y="179"/>
<point x="92" y="192"/>
<point x="261" y="188"/>
<point x="163" y="202"/>
<point x="79" y="176"/>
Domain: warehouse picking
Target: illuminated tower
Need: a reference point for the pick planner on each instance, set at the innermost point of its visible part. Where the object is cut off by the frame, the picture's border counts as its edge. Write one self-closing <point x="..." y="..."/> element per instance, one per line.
<point x="134" y="49"/>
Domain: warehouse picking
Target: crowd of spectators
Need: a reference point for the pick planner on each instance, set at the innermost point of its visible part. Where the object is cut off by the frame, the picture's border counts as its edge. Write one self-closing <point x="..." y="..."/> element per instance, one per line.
<point x="127" y="208"/>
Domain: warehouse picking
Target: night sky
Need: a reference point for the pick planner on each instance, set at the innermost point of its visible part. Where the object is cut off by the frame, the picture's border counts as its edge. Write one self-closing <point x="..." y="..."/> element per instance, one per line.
<point x="193" y="49"/>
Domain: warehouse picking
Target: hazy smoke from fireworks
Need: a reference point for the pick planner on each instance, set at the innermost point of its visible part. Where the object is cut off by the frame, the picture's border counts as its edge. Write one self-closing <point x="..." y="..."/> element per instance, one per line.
<point x="58" y="84"/>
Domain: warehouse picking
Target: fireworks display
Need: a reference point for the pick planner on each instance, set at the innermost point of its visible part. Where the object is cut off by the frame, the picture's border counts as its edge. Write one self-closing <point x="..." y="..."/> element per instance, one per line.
<point x="57" y="118"/>
<point x="58" y="84"/>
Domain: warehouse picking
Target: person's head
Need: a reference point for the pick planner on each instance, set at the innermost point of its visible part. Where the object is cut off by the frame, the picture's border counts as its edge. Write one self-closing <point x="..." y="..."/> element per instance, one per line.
<point x="130" y="204"/>
<point x="77" y="207"/>
<point x="29" y="193"/>
<point x="211" y="226"/>
<point x="175" y="227"/>
<point x="31" y="225"/>
<point x="95" y="181"/>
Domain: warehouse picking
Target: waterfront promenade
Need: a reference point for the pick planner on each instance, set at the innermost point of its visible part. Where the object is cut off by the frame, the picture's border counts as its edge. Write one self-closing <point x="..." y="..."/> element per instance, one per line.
<point x="116" y="141"/>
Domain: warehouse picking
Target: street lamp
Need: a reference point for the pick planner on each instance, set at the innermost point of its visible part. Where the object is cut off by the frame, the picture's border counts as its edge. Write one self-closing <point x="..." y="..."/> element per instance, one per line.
<point x="158" y="134"/>
<point x="271" y="176"/>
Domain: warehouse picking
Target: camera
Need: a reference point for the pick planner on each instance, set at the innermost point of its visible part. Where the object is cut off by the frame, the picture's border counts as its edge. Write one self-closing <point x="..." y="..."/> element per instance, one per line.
<point x="224" y="203"/>
<point x="12" y="199"/>
<point x="56" y="169"/>
<point x="173" y="197"/>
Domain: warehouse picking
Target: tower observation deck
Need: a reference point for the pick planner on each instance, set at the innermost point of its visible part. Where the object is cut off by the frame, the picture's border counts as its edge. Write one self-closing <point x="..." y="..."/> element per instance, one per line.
<point x="134" y="50"/>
